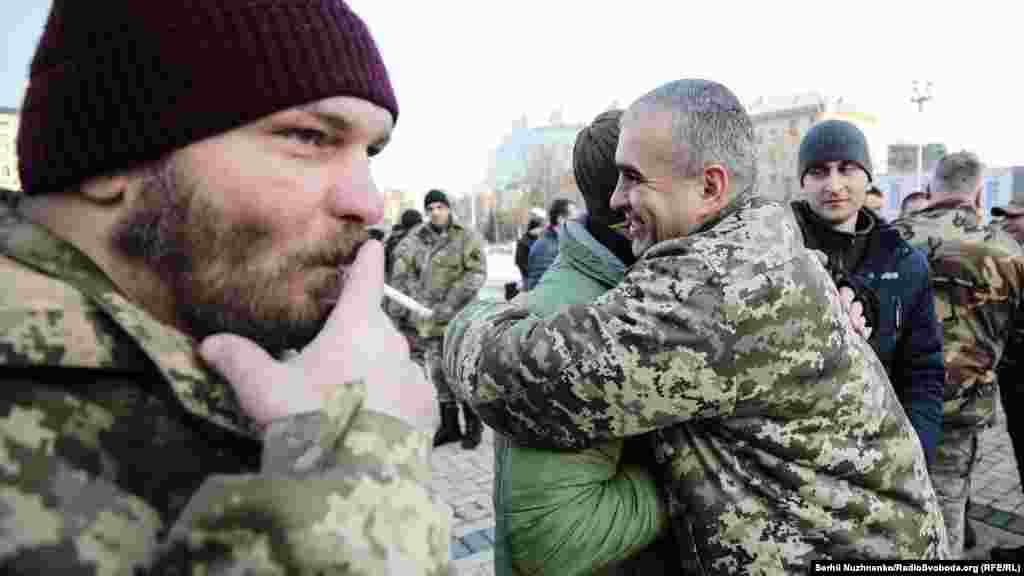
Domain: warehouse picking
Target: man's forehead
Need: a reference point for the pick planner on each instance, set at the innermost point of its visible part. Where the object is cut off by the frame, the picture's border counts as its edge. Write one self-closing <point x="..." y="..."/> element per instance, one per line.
<point x="651" y="127"/>
<point x="647" y="142"/>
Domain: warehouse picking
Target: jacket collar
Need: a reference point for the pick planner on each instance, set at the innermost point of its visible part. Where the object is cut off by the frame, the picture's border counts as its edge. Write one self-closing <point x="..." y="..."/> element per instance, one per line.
<point x="200" y="391"/>
<point x="580" y="250"/>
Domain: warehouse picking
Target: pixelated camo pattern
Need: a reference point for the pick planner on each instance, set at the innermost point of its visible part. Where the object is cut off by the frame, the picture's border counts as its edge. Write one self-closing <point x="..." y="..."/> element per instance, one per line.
<point x="120" y="453"/>
<point x="780" y="436"/>
<point x="444" y="272"/>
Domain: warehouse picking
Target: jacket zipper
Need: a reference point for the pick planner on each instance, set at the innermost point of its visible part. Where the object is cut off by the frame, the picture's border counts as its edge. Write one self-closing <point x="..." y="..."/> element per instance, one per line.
<point x="899" y="312"/>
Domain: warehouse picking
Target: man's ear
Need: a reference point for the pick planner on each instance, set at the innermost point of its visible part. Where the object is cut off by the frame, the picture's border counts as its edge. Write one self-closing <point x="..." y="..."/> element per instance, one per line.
<point x="106" y="190"/>
<point x="716" y="186"/>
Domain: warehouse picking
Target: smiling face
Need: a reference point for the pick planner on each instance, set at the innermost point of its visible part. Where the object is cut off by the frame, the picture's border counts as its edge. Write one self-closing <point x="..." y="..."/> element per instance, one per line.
<point x="246" y="230"/>
<point x="659" y="198"/>
<point x="836" y="191"/>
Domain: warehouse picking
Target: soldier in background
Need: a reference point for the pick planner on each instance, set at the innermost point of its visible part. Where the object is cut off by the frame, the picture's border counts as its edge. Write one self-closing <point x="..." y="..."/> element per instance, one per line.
<point x="779" y="438"/>
<point x="409" y="220"/>
<point x="978" y="281"/>
<point x="874" y="200"/>
<point x="442" y="264"/>
<point x="178" y="233"/>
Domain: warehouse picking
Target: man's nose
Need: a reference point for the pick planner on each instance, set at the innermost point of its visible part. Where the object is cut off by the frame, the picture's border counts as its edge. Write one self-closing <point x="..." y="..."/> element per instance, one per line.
<point x="834" y="181"/>
<point x="618" y="200"/>
<point x="353" y="193"/>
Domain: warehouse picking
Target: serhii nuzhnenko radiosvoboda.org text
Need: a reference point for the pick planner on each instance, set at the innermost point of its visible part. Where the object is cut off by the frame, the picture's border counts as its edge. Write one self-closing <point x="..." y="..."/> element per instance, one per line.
<point x="918" y="567"/>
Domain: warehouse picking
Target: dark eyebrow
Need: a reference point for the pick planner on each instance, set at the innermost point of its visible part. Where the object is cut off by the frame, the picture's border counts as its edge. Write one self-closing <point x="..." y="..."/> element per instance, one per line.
<point x="336" y="122"/>
<point x="343" y="125"/>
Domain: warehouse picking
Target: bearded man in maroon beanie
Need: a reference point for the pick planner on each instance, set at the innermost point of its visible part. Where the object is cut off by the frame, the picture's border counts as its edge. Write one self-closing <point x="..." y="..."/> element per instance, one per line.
<point x="191" y="325"/>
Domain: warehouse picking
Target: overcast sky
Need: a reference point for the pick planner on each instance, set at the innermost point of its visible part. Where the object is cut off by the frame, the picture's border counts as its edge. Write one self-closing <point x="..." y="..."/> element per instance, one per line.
<point x="465" y="71"/>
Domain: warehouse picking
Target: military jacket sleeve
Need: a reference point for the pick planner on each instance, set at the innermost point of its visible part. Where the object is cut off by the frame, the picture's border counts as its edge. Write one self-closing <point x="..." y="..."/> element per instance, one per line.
<point x="921" y="362"/>
<point x="474" y="275"/>
<point x="979" y="294"/>
<point x="404" y="276"/>
<point x="698" y="329"/>
<point x="339" y="492"/>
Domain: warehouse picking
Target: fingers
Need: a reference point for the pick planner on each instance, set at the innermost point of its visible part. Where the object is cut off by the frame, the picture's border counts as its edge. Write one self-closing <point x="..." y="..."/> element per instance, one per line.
<point x="237" y="359"/>
<point x="363" y="287"/>
<point x="250" y="371"/>
<point x="857" y="312"/>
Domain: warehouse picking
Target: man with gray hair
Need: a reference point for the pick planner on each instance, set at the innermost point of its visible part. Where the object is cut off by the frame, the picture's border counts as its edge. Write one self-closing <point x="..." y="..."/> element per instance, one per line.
<point x="779" y="439"/>
<point x="977" y="279"/>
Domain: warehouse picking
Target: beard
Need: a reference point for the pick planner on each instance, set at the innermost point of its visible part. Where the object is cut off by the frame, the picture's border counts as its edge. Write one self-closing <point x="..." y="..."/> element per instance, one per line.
<point x="230" y="275"/>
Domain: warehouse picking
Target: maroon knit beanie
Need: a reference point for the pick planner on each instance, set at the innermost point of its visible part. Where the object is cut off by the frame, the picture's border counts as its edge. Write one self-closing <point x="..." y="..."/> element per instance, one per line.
<point x="122" y="84"/>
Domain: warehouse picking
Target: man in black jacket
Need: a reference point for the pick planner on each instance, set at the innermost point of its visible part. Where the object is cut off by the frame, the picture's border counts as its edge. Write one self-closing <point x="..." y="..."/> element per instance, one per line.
<point x="890" y="278"/>
<point x="525" y="242"/>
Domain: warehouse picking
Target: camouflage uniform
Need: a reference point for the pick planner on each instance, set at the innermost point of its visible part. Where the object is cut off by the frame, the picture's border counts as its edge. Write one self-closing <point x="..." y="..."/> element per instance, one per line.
<point x="121" y="453"/>
<point x="402" y="320"/>
<point x="978" y="278"/>
<point x="444" y="272"/>
<point x="779" y="436"/>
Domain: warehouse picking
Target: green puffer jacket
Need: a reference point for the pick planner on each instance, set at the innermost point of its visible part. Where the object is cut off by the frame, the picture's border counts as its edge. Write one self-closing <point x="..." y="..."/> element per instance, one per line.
<point x="581" y="512"/>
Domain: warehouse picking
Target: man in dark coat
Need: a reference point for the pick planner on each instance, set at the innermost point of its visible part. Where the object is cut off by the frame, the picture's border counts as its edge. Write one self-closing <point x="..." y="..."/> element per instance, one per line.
<point x="863" y="251"/>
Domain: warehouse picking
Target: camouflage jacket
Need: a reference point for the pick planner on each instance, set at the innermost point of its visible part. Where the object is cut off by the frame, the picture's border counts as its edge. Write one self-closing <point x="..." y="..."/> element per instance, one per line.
<point x="120" y="453"/>
<point x="444" y="272"/>
<point x="780" y="437"/>
<point x="978" y="280"/>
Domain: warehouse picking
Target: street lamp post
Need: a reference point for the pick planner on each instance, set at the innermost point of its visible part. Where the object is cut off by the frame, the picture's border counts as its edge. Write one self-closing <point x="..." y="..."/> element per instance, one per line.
<point x="920" y="97"/>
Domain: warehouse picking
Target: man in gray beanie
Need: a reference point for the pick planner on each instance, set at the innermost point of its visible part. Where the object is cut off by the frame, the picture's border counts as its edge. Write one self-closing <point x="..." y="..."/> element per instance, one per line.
<point x="192" y="336"/>
<point x="864" y="253"/>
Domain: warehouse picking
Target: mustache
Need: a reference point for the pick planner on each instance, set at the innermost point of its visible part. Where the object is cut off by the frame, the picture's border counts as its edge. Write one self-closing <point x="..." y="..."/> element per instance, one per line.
<point x="338" y="251"/>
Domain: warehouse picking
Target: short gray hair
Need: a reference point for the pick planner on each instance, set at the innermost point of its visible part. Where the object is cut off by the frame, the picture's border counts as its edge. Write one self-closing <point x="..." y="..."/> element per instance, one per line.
<point x="957" y="173"/>
<point x="709" y="126"/>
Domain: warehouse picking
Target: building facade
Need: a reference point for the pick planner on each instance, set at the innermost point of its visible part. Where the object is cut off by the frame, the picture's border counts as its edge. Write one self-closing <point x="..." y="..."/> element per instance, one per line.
<point x="534" y="165"/>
